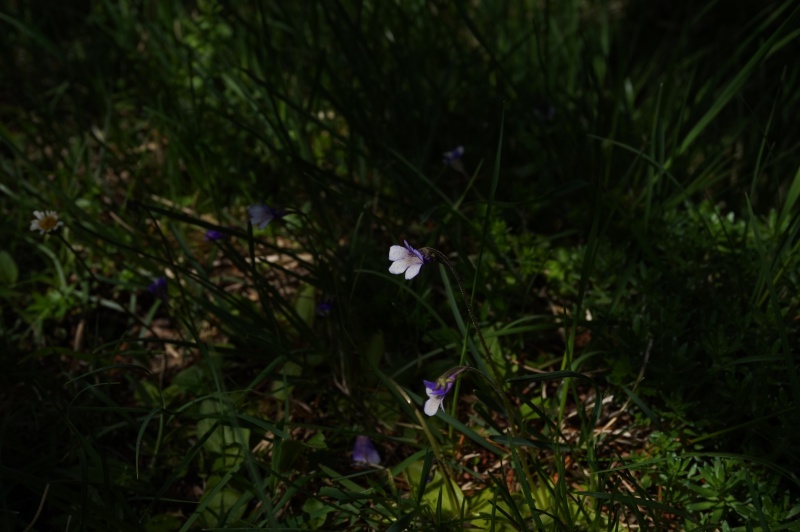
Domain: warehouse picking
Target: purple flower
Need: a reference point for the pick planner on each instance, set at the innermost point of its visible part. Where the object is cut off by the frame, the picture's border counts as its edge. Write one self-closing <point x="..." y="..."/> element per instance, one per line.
<point x="453" y="158"/>
<point x="436" y="393"/>
<point x="408" y="260"/>
<point x="261" y="215"/>
<point x="438" y="390"/>
<point x="213" y="234"/>
<point x="158" y="288"/>
<point x="454" y="155"/>
<point x="364" y="452"/>
<point x="324" y="308"/>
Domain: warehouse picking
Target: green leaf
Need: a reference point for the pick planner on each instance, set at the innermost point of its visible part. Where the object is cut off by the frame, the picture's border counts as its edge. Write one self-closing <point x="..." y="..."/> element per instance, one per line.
<point x="9" y="273"/>
<point x="225" y="440"/>
<point x="305" y="303"/>
<point x="221" y="502"/>
<point x="438" y="490"/>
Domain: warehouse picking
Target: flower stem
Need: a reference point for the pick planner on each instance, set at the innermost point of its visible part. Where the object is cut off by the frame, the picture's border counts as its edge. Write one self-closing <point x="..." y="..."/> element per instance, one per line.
<point x="94" y="278"/>
<point x="515" y="421"/>
<point x="440" y="257"/>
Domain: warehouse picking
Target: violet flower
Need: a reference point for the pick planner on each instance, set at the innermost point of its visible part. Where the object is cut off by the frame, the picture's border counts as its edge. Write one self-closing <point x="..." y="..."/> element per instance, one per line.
<point x="408" y="260"/>
<point x="213" y="235"/>
<point x="436" y="393"/>
<point x="261" y="215"/>
<point x="453" y="158"/>
<point x="324" y="308"/>
<point x="364" y="452"/>
<point x="439" y="389"/>
<point x="159" y="288"/>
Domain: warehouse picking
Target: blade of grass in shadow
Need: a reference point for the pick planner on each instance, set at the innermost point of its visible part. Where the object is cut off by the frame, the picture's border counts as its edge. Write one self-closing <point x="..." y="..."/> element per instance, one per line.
<point x="41" y="40"/>
<point x="633" y="502"/>
<point x="501" y="489"/>
<point x="523" y="475"/>
<point x="643" y="407"/>
<point x="145" y="422"/>
<point x="177" y="470"/>
<point x="424" y="475"/>
<point x="758" y="168"/>
<point x="227" y="407"/>
<point x="208" y="497"/>
<point x="753" y="422"/>
<point x="62" y="496"/>
<point x="735" y="86"/>
<point x="463" y="328"/>
<point x="464" y="429"/>
<point x="654" y="179"/>
<point x="596" y="410"/>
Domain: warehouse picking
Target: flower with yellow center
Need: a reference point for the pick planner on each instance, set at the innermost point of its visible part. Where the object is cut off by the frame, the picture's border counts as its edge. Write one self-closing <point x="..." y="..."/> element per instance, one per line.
<point x="45" y="221"/>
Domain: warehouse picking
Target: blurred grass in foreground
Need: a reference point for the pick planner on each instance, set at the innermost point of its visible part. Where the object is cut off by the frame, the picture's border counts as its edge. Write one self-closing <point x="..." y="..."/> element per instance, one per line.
<point x="624" y="218"/>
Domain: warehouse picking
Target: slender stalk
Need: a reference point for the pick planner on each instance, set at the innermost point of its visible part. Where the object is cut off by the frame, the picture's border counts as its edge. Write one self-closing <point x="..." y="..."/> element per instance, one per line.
<point x="516" y="424"/>
<point x="136" y="318"/>
<point x="97" y="281"/>
<point x="440" y="257"/>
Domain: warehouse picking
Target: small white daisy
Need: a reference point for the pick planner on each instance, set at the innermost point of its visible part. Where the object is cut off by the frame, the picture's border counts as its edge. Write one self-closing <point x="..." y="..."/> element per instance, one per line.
<point x="45" y="221"/>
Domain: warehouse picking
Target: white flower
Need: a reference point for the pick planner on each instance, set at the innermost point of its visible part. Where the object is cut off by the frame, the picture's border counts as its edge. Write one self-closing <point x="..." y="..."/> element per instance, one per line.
<point x="436" y="391"/>
<point x="406" y="259"/>
<point x="434" y="403"/>
<point x="45" y="222"/>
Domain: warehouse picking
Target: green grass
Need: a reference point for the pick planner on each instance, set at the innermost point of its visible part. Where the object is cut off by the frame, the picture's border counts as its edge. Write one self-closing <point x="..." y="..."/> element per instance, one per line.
<point x="625" y="227"/>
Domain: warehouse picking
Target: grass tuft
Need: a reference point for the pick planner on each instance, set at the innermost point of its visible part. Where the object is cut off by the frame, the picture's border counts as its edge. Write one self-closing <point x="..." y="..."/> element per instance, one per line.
<point x="617" y="183"/>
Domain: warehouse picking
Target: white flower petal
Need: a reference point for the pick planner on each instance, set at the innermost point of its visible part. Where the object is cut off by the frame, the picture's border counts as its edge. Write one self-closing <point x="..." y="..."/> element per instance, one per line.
<point x="397" y="253"/>
<point x="433" y="404"/>
<point x="45" y="221"/>
<point x="413" y="270"/>
<point x="399" y="266"/>
<point x="373" y="457"/>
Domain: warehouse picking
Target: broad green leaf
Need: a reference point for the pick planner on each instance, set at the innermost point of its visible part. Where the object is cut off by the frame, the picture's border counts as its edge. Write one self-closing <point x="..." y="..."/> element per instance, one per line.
<point x="9" y="273"/>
